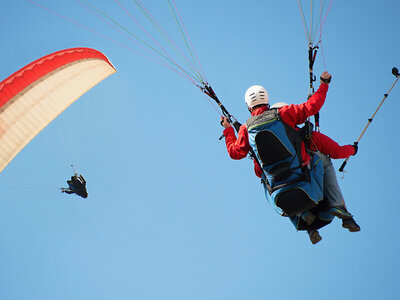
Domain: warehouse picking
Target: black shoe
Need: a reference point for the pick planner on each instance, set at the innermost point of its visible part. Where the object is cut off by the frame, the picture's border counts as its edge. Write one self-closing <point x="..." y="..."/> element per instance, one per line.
<point x="314" y="236"/>
<point x="350" y="224"/>
<point x="340" y="211"/>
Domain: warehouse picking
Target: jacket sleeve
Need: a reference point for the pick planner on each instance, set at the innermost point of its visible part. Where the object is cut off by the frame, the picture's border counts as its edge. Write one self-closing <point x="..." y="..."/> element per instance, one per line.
<point x="237" y="147"/>
<point x="329" y="147"/>
<point x="257" y="169"/>
<point x="298" y="114"/>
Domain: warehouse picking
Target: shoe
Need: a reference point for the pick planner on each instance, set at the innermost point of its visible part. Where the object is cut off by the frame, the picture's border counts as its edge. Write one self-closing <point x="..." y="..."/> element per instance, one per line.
<point x="308" y="217"/>
<point x="340" y="212"/>
<point x="350" y="224"/>
<point x="314" y="236"/>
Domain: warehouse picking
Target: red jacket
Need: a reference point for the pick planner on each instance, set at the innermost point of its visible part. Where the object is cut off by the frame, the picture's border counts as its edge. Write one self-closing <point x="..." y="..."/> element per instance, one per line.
<point x="322" y="143"/>
<point x="291" y="114"/>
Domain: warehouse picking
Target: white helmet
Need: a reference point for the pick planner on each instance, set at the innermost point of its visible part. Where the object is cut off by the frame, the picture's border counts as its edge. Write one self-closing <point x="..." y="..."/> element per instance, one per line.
<point x="256" y="95"/>
<point x="278" y="104"/>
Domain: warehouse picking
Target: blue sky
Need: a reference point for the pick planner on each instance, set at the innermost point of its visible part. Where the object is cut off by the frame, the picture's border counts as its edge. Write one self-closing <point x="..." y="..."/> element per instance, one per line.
<point x="169" y="214"/>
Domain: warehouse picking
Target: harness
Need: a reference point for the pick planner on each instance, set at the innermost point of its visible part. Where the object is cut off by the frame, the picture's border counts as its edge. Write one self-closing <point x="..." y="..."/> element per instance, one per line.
<point x="291" y="187"/>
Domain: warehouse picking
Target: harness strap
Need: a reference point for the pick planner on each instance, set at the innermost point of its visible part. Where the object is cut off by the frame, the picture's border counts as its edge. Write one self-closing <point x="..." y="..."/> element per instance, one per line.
<point x="282" y="170"/>
<point x="302" y="177"/>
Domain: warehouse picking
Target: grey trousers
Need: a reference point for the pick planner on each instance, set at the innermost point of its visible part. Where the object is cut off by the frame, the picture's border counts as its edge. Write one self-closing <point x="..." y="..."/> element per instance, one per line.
<point x="331" y="187"/>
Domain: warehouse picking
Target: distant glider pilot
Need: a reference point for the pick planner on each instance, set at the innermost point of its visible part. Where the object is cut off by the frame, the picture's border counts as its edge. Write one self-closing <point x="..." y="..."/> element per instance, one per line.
<point x="77" y="185"/>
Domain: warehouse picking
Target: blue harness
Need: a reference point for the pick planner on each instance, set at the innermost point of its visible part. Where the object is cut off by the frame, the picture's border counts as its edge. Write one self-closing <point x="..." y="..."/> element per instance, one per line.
<point x="290" y="187"/>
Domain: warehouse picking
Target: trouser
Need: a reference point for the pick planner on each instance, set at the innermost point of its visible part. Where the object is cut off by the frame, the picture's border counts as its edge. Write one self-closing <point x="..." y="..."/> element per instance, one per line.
<point x="331" y="187"/>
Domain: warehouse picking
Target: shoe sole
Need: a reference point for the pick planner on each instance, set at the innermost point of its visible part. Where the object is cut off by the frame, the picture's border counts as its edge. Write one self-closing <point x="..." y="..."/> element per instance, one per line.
<point x="352" y="228"/>
<point x="315" y="237"/>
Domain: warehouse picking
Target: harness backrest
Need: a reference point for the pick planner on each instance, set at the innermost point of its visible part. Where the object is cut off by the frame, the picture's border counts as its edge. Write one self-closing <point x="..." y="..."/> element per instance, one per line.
<point x="277" y="146"/>
<point x="289" y="185"/>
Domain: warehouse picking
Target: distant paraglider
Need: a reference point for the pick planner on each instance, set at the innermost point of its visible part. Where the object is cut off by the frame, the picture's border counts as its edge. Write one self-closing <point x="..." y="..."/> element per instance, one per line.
<point x="36" y="94"/>
<point x="77" y="185"/>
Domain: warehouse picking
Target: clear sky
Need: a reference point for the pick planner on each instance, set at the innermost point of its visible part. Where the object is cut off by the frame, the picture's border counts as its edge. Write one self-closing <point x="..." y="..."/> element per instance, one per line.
<point x="169" y="215"/>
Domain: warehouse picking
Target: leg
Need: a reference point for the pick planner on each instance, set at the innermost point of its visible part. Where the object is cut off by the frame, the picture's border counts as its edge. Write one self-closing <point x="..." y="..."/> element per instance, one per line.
<point x="314" y="236"/>
<point x="331" y="187"/>
<point x="334" y="195"/>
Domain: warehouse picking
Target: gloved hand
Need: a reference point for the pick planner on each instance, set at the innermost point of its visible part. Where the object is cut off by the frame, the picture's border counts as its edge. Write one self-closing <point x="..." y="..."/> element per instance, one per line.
<point x="224" y="122"/>
<point x="325" y="77"/>
<point x="355" y="145"/>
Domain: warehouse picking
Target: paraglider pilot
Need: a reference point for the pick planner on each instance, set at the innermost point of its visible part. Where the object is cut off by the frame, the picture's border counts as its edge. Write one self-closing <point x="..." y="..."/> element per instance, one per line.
<point x="77" y="185"/>
<point x="293" y="178"/>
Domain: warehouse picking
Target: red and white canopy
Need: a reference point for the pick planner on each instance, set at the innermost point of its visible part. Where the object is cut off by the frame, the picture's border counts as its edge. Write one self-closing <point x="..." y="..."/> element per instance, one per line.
<point x="36" y="94"/>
